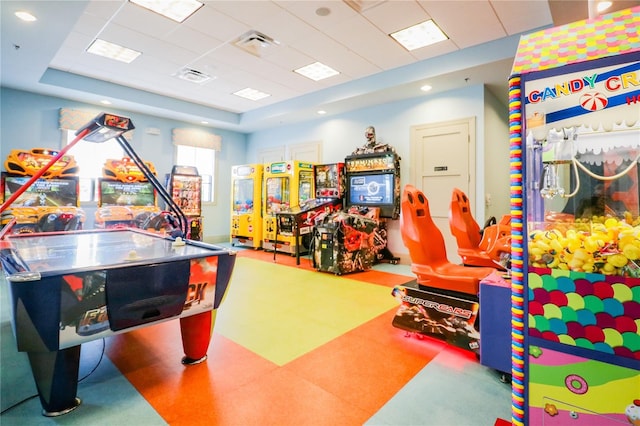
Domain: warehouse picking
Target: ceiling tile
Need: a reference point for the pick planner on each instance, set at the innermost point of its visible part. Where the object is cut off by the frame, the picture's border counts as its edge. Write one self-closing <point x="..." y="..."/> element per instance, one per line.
<point x="393" y="16"/>
<point x="514" y="18"/>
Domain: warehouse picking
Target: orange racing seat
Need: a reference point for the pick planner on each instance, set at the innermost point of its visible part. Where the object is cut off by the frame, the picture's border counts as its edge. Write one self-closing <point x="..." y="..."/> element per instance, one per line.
<point x="427" y="249"/>
<point x="478" y="247"/>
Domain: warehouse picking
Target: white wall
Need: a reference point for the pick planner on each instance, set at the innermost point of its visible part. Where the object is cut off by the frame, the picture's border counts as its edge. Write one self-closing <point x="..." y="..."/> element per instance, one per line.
<point x="342" y="134"/>
<point x="497" y="167"/>
<point x="31" y="121"/>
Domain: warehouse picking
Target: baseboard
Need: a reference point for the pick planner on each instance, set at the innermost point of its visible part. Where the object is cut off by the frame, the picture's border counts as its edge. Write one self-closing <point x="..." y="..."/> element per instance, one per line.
<point x="216" y="239"/>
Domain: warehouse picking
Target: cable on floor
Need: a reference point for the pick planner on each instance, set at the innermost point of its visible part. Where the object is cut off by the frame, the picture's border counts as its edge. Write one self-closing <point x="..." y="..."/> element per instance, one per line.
<point x="80" y="380"/>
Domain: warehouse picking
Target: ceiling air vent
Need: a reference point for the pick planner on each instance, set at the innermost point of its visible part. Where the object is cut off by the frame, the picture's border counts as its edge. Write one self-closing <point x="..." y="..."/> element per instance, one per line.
<point x="255" y="42"/>
<point x="192" y="75"/>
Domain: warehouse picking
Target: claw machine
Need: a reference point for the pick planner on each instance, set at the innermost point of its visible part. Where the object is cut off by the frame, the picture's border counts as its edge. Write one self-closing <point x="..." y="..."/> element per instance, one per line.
<point x="287" y="185"/>
<point x="246" y="205"/>
<point x="574" y="111"/>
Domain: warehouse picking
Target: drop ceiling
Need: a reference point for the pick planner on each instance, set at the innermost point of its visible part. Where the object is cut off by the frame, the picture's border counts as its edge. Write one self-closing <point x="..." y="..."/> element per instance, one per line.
<point x="49" y="56"/>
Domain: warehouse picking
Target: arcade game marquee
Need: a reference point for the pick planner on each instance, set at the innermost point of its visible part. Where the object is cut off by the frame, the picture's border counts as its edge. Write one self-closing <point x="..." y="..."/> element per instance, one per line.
<point x="246" y="205"/>
<point x="574" y="110"/>
<point x="68" y="288"/>
<point x="52" y="203"/>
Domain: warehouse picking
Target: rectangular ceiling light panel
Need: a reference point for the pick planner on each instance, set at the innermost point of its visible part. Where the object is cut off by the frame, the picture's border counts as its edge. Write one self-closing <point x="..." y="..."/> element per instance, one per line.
<point x="420" y="35"/>
<point x="113" y="51"/>
<point x="251" y="94"/>
<point x="317" y="71"/>
<point x="177" y="10"/>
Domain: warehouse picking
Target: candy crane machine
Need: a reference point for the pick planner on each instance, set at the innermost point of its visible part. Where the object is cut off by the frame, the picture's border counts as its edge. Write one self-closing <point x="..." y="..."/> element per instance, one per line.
<point x="246" y="205"/>
<point x="575" y="144"/>
<point x="287" y="185"/>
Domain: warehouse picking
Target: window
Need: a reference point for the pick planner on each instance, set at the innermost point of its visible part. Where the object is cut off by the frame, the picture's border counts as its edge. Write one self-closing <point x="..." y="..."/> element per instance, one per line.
<point x="91" y="157"/>
<point x="204" y="159"/>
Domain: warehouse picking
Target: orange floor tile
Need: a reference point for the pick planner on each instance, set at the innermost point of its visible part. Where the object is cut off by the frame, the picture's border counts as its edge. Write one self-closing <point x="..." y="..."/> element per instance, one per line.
<point x="343" y="382"/>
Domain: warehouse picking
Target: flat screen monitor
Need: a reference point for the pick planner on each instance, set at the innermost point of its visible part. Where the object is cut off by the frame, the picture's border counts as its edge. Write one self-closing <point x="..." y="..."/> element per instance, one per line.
<point x="54" y="192"/>
<point x="372" y="190"/>
<point x="116" y="193"/>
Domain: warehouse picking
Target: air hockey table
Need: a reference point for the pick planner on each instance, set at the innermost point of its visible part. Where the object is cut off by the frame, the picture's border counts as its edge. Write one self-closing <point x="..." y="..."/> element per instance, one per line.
<point x="70" y="288"/>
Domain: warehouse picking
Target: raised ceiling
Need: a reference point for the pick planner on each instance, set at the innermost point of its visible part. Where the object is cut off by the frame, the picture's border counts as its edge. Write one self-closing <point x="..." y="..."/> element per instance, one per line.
<point x="49" y="56"/>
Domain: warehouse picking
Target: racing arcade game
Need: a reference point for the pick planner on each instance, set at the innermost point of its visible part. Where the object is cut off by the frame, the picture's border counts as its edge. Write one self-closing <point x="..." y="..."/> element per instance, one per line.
<point x="125" y="197"/>
<point x="52" y="203"/>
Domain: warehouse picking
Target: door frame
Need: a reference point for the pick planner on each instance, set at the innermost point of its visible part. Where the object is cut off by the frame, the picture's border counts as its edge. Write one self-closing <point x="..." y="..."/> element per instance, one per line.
<point x="471" y="153"/>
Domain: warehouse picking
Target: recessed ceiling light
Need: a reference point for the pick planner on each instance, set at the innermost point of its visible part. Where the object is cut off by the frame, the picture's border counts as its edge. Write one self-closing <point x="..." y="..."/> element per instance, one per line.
<point x="204" y="122"/>
<point x="177" y="10"/>
<point x="251" y="94"/>
<point x="317" y="71"/>
<point x="25" y="16"/>
<point x="322" y="112"/>
<point x="426" y="88"/>
<point x="105" y="102"/>
<point x="419" y="35"/>
<point x="113" y="51"/>
<point x="603" y="5"/>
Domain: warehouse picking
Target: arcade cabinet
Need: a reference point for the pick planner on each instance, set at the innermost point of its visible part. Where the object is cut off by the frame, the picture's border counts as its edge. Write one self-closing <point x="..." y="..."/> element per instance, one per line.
<point x="344" y="243"/>
<point x="51" y="203"/>
<point x="287" y="185"/>
<point x="575" y="144"/>
<point x="373" y="187"/>
<point x="246" y="205"/>
<point x="330" y="181"/>
<point x="126" y="198"/>
<point x="185" y="187"/>
<point x="303" y="220"/>
<point x="68" y="288"/>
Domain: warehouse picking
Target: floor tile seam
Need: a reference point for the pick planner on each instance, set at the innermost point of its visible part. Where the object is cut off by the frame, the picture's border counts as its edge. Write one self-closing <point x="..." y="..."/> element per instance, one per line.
<point x="346" y="276"/>
<point x="368" y="412"/>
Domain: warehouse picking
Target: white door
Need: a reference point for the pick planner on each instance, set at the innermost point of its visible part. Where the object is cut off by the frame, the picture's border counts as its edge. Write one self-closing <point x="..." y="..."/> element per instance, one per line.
<point x="443" y="158"/>
<point x="271" y="155"/>
<point x="310" y="152"/>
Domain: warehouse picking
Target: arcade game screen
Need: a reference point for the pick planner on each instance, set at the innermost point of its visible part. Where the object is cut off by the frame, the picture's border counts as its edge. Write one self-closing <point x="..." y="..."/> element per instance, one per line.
<point x="371" y="189"/>
<point x="114" y="193"/>
<point x="43" y="192"/>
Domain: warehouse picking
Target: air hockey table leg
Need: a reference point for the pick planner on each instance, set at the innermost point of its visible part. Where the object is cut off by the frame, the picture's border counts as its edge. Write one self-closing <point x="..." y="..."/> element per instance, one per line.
<point x="196" y="334"/>
<point x="56" y="377"/>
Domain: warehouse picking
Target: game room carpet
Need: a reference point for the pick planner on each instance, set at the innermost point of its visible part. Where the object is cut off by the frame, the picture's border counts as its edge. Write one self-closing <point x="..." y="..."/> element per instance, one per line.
<point x="291" y="346"/>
